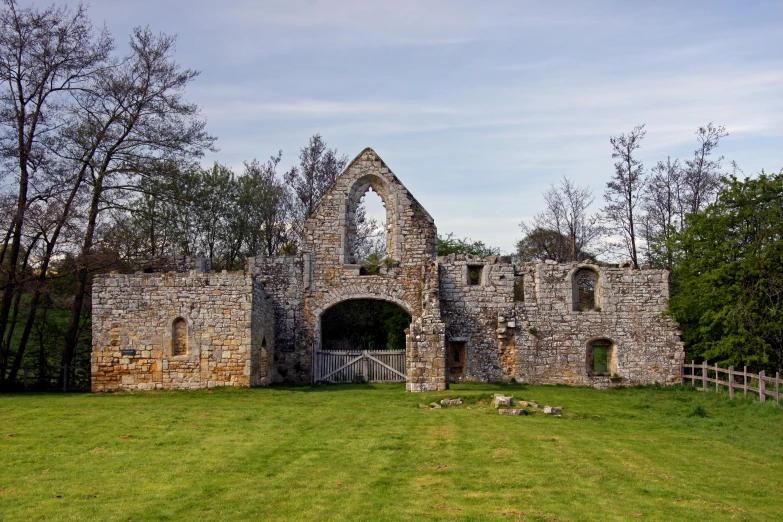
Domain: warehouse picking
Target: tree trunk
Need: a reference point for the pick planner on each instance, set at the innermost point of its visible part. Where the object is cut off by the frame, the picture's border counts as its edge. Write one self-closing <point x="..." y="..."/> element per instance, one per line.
<point x="8" y="293"/>
<point x="14" y="317"/>
<point x="82" y="273"/>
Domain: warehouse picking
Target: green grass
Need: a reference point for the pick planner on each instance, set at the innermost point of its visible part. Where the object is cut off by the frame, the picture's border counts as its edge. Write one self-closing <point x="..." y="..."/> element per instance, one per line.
<point x="368" y="452"/>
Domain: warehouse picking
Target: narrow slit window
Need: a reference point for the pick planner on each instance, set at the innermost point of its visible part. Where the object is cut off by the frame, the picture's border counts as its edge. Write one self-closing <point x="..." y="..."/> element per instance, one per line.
<point x="519" y="288"/>
<point x="179" y="337"/>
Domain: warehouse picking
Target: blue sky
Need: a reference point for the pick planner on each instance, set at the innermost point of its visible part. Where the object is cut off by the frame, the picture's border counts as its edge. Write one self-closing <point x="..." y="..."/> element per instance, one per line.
<point x="478" y="106"/>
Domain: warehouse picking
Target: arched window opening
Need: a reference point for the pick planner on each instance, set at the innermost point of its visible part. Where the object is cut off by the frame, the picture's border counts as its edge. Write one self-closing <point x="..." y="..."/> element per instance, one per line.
<point x="367" y="231"/>
<point x="179" y="337"/>
<point x="586" y="286"/>
<point x="601" y="358"/>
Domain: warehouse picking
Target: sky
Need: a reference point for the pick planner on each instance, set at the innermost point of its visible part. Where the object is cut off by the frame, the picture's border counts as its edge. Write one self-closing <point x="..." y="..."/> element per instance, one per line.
<point x="477" y="107"/>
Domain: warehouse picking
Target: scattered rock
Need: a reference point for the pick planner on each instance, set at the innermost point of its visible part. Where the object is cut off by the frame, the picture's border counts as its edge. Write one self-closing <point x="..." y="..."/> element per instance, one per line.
<point x="549" y="410"/>
<point x="126" y="436"/>
<point x="499" y="400"/>
<point x="423" y="405"/>
<point x="518" y="411"/>
<point x="434" y="405"/>
<point x="451" y="402"/>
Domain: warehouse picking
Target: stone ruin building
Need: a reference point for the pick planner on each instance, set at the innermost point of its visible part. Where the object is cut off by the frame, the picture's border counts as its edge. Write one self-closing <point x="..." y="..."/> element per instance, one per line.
<point x="492" y="319"/>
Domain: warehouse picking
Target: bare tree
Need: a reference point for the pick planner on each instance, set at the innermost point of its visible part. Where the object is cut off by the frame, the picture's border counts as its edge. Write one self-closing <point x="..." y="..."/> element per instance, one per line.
<point x="663" y="205"/>
<point x="702" y="174"/>
<point x="45" y="56"/>
<point x="137" y="123"/>
<point x="567" y="216"/>
<point x="318" y="169"/>
<point x="624" y="191"/>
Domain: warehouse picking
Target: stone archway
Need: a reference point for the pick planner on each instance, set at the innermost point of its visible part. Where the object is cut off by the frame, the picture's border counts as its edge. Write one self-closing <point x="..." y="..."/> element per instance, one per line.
<point x="361" y="340"/>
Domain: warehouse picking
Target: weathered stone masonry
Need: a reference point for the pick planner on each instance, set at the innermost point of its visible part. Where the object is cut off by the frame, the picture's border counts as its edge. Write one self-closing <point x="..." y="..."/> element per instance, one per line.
<point x="509" y="320"/>
<point x="230" y="331"/>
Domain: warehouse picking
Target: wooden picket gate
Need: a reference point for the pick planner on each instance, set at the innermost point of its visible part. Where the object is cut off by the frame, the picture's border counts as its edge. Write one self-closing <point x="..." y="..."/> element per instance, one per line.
<point x="359" y="366"/>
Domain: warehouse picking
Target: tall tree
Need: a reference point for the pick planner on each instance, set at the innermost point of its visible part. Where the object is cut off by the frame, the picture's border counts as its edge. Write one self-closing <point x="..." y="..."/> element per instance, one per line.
<point x="266" y="203"/>
<point x="567" y="214"/>
<point x="664" y="211"/>
<point x="728" y="279"/>
<point x="624" y="191"/>
<point x="137" y="122"/>
<point x="317" y="171"/>
<point x="45" y="55"/>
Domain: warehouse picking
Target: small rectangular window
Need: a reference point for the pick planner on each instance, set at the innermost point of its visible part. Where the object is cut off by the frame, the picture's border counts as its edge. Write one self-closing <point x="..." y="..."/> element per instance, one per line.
<point x="519" y="288"/>
<point x="474" y="275"/>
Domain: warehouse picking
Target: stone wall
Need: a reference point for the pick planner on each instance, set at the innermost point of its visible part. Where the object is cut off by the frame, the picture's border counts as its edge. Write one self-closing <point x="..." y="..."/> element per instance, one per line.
<point x="330" y="275"/>
<point x="133" y="318"/>
<point x="157" y="265"/>
<point x="514" y="320"/>
<point x="539" y="337"/>
<point x="475" y="312"/>
<point x="283" y="279"/>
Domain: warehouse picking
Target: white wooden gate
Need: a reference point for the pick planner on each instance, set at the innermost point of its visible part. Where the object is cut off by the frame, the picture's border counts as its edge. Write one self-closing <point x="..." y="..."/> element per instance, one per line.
<point x="358" y="366"/>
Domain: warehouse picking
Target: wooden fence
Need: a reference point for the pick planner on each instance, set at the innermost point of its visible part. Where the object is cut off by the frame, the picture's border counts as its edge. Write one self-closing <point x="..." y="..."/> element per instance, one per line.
<point x="734" y="380"/>
<point x="65" y="378"/>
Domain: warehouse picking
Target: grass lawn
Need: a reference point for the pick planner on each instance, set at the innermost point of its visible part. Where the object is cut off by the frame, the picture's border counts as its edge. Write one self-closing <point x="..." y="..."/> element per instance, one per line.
<point x="368" y="452"/>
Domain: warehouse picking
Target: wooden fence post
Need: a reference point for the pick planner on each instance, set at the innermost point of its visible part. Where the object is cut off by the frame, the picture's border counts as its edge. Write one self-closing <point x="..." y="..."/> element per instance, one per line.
<point x="24" y="376"/>
<point x="731" y="382"/>
<point x="777" y="387"/>
<point x="682" y="372"/>
<point x="717" y="378"/>
<point x="745" y="379"/>
<point x="762" y="386"/>
<point x="704" y="375"/>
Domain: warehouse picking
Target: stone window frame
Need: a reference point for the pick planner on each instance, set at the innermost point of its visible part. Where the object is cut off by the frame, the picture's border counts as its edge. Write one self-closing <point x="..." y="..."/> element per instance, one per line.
<point x="193" y="351"/>
<point x="483" y="274"/>
<point x="611" y="357"/>
<point x="385" y="190"/>
<point x="598" y="293"/>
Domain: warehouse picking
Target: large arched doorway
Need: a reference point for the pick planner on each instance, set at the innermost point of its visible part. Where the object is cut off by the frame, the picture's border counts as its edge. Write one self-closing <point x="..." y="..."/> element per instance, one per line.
<point x="362" y="340"/>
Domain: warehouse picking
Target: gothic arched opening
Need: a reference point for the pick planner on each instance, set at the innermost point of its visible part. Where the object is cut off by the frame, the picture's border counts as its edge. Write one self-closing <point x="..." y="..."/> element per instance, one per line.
<point x="370" y="223"/>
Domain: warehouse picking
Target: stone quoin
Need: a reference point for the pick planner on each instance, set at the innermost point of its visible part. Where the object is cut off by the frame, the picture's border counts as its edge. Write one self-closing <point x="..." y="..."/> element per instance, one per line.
<point x="492" y="319"/>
